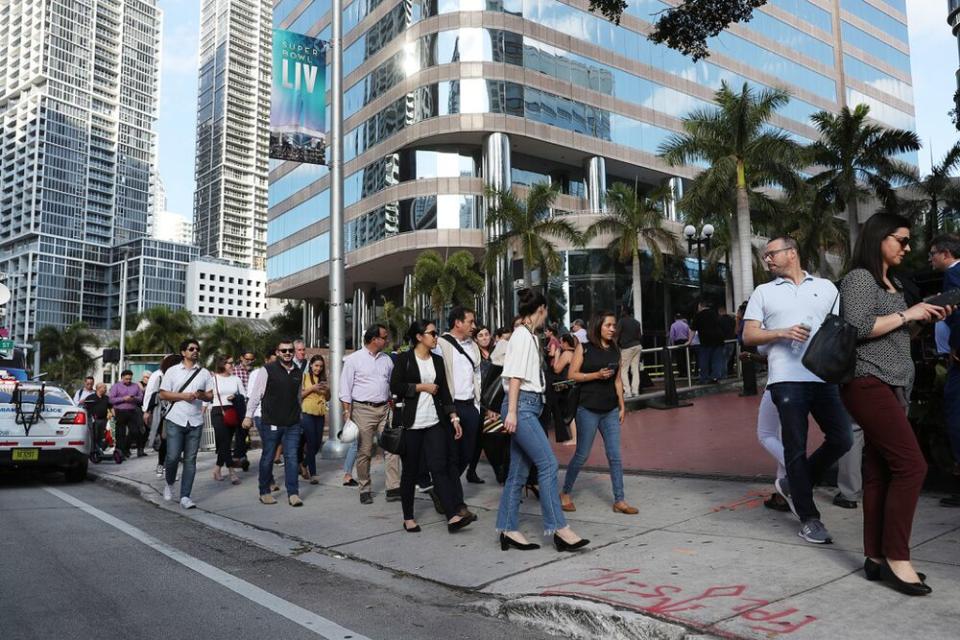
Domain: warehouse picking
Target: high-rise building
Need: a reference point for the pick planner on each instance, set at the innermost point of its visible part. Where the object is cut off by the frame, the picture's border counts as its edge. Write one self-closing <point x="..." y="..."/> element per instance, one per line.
<point x="78" y="100"/>
<point x="443" y="98"/>
<point x="172" y="227"/>
<point x="953" y="19"/>
<point x="233" y="137"/>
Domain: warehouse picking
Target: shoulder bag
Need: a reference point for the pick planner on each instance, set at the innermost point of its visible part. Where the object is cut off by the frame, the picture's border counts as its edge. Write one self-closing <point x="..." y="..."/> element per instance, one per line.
<point x="832" y="352"/>
<point x="231" y="417"/>
<point x="491" y="389"/>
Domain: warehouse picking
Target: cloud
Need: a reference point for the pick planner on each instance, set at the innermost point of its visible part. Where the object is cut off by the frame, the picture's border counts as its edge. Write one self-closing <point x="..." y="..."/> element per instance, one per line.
<point x="927" y="17"/>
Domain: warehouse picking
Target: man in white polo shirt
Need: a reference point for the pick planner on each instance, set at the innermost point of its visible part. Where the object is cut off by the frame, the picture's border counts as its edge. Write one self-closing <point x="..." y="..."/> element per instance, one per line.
<point x="783" y="315"/>
<point x="186" y="386"/>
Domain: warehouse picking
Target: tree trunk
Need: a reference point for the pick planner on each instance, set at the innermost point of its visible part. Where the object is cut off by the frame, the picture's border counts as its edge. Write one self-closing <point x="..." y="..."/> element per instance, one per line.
<point x="733" y="263"/>
<point x="744" y="234"/>
<point x="637" y="291"/>
<point x="853" y="221"/>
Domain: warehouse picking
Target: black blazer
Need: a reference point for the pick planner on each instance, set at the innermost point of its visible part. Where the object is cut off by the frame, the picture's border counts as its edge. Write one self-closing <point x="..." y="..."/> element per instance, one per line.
<point x="403" y="385"/>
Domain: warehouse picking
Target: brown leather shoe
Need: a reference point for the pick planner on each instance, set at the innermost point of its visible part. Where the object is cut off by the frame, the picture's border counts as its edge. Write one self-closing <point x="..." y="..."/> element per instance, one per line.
<point x="566" y="503"/>
<point x="623" y="507"/>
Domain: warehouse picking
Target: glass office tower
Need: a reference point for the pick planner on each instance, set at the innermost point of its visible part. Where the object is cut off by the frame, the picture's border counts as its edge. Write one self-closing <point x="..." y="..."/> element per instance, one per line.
<point x="444" y="97"/>
<point x="79" y="82"/>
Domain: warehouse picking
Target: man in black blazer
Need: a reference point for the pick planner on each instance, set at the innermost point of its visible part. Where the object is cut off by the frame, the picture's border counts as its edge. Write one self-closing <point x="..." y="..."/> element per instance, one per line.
<point x="945" y="257"/>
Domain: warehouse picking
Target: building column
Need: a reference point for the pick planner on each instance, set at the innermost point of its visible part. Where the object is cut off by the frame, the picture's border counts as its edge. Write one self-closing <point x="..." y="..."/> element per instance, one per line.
<point x="595" y="169"/>
<point x="361" y="311"/>
<point x="670" y="209"/>
<point x="497" y="175"/>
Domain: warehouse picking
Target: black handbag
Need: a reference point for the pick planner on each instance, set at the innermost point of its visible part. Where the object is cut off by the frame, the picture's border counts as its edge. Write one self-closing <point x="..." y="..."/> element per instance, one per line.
<point x="832" y="352"/>
<point x="491" y="389"/>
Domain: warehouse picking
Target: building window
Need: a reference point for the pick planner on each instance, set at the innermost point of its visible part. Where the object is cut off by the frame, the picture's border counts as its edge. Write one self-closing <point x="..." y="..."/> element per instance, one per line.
<point x="203" y="276"/>
<point x="201" y="298"/>
<point x="202" y="287"/>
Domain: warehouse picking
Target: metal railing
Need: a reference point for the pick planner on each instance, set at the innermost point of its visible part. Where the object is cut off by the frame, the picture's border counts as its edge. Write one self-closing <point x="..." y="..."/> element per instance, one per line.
<point x="655" y="369"/>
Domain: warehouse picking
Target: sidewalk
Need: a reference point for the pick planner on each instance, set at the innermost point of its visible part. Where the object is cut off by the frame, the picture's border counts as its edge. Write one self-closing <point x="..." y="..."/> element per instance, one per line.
<point x="703" y="556"/>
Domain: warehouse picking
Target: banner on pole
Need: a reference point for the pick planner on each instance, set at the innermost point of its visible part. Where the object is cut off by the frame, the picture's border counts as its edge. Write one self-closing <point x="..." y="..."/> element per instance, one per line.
<point x="298" y="98"/>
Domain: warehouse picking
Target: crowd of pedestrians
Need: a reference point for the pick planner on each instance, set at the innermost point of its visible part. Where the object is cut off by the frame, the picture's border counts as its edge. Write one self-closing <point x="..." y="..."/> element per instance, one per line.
<point x="472" y="390"/>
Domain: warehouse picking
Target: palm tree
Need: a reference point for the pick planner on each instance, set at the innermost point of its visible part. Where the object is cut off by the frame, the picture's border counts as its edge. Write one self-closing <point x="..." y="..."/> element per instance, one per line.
<point x="815" y="226"/>
<point x="397" y="318"/>
<point x="63" y="353"/>
<point x="529" y="229"/>
<point x="635" y="223"/>
<point x="741" y="150"/>
<point x="454" y="281"/>
<point x="289" y="322"/>
<point x="226" y="338"/>
<point x="857" y="160"/>
<point x="160" y="330"/>
<point x="938" y="193"/>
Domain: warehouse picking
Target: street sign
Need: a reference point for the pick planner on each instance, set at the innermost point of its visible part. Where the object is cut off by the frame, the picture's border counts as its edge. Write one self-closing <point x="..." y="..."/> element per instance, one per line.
<point x="6" y="346"/>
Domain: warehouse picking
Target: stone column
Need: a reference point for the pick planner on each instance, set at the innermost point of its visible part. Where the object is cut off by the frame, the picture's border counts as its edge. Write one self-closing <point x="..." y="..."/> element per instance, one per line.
<point x="670" y="210"/>
<point x="497" y="175"/>
<point x="361" y="311"/>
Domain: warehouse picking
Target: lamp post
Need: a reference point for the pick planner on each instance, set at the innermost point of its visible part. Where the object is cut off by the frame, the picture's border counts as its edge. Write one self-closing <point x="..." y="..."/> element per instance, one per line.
<point x="702" y="243"/>
<point x="123" y="303"/>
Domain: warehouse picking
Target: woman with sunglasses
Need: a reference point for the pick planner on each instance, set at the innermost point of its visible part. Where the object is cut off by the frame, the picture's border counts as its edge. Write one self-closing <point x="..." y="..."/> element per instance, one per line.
<point x="227" y="391"/>
<point x="425" y="408"/>
<point x="314" y="394"/>
<point x="894" y="471"/>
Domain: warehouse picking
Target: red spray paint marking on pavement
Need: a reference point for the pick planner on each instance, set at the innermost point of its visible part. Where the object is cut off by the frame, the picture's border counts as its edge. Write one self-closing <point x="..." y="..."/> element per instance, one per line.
<point x="750" y="500"/>
<point x="619" y="588"/>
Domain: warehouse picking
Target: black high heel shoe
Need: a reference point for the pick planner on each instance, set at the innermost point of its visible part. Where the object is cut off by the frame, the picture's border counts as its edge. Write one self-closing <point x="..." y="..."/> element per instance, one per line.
<point x="506" y="542"/>
<point x="414" y="529"/>
<point x="531" y="488"/>
<point x="873" y="571"/>
<point x="906" y="588"/>
<point x="563" y="545"/>
<point x="453" y="527"/>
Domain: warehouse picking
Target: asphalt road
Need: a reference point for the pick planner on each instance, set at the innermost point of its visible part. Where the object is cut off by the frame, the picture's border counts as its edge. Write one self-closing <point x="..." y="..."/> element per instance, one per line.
<point x="147" y="573"/>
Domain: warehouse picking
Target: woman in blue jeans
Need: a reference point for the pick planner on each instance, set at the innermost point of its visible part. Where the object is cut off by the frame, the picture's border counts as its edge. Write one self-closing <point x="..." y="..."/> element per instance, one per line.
<point x="523" y="385"/>
<point x="594" y="369"/>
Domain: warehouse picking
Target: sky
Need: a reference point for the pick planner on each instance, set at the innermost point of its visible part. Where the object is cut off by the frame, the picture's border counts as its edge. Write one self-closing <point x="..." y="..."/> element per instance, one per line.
<point x="933" y="52"/>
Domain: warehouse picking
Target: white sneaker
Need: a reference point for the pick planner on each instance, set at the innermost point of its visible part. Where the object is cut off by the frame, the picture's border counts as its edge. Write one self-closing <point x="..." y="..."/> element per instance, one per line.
<point x="187" y="503"/>
<point x="160" y="471"/>
<point x="168" y="492"/>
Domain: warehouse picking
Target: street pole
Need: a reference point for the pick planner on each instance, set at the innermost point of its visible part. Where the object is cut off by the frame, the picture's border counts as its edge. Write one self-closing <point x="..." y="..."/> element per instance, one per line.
<point x="123" y="305"/>
<point x="700" y="267"/>
<point x="333" y="448"/>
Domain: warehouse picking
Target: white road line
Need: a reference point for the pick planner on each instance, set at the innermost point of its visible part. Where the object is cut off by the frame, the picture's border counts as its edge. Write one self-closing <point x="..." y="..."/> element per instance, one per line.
<point x="307" y="619"/>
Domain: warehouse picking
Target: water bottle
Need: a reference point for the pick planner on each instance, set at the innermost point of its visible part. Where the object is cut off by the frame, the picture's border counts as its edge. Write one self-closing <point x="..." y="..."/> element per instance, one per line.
<point x="796" y="346"/>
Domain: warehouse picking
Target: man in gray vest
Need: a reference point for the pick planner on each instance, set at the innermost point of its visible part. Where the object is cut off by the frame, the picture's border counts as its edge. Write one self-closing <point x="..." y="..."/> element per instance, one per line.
<point x="278" y="390"/>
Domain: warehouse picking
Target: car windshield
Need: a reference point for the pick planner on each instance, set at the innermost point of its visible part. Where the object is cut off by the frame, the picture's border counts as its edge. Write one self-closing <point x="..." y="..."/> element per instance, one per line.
<point x="28" y="395"/>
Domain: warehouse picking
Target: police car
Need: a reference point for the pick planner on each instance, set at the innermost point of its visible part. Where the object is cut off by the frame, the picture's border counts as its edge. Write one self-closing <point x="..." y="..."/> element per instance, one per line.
<point x="41" y="427"/>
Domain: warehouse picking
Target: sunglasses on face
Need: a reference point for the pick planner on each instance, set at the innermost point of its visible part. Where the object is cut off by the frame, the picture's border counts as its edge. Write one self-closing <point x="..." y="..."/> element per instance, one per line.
<point x="770" y="254"/>
<point x="285" y="350"/>
<point x="431" y="333"/>
<point x="903" y="240"/>
<point x="189" y="349"/>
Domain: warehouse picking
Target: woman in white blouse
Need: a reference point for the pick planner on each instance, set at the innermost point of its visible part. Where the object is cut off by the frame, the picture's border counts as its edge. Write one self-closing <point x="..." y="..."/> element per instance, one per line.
<point x="227" y="388"/>
<point x="523" y="384"/>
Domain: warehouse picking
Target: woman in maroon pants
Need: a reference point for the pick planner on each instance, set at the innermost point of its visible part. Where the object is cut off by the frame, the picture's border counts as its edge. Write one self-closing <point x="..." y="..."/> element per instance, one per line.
<point x="877" y="398"/>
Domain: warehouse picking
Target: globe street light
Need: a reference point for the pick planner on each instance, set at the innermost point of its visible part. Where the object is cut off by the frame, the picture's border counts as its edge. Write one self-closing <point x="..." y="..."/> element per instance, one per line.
<point x="702" y="243"/>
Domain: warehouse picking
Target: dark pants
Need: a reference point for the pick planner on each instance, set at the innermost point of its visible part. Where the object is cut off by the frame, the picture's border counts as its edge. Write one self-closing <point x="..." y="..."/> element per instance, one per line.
<point x="680" y="357"/>
<point x="100" y="433"/>
<point x="272" y="436"/>
<point x="240" y="446"/>
<point x="432" y="445"/>
<point x="795" y="402"/>
<point x="894" y="468"/>
<point x="713" y="363"/>
<point x="951" y="408"/>
<point x="464" y="448"/>
<point x="128" y="423"/>
<point x="312" y="427"/>
<point x="223" y="436"/>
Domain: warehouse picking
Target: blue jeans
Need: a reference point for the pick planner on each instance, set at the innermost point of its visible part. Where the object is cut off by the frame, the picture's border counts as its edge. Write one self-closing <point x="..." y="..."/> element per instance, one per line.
<point x="951" y="408"/>
<point x="713" y="364"/>
<point x="313" y="433"/>
<point x="351" y="458"/>
<point x="290" y="437"/>
<point x="588" y="422"/>
<point x="529" y="445"/>
<point x="796" y="401"/>
<point x="185" y="440"/>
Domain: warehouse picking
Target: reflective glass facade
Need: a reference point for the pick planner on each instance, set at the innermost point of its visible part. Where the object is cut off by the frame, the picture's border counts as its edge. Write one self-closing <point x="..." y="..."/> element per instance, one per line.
<point x="576" y="74"/>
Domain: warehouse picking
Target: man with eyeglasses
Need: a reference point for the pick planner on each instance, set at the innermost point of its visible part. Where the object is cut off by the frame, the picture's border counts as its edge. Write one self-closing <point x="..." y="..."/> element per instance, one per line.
<point x="277" y="391"/>
<point x="186" y="386"/>
<point x="243" y="367"/>
<point x="945" y="257"/>
<point x="364" y="392"/>
<point x="783" y="315"/>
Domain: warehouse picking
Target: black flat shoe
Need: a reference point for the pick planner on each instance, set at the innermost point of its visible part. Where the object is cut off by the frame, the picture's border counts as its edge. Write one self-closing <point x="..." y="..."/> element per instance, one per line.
<point x="873" y="571"/>
<point x="843" y="503"/>
<point x="351" y="483"/>
<point x="906" y="588"/>
<point x="563" y="545"/>
<point x="413" y="529"/>
<point x="473" y="478"/>
<point x="506" y="542"/>
<point x="453" y="527"/>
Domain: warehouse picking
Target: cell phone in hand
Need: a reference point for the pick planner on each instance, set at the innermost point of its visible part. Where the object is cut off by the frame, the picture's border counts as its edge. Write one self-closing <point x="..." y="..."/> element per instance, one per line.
<point x="613" y="365"/>
<point x="946" y="299"/>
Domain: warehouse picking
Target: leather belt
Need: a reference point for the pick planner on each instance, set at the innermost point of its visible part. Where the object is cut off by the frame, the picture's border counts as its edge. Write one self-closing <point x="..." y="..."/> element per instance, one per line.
<point x="370" y="404"/>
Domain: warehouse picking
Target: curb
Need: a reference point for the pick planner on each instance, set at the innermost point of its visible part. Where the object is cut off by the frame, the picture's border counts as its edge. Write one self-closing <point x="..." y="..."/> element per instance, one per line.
<point x="556" y="615"/>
